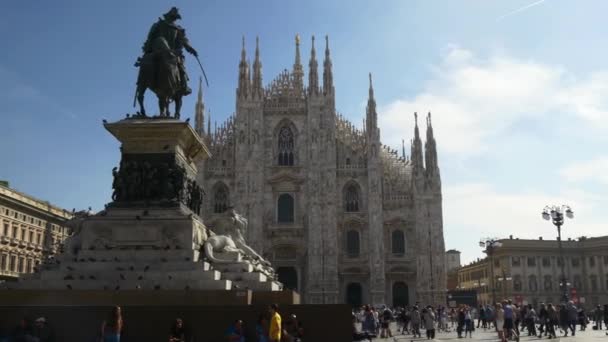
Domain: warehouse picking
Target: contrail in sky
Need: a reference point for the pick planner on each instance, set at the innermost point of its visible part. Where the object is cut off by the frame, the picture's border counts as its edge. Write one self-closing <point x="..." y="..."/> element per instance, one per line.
<point x="521" y="9"/>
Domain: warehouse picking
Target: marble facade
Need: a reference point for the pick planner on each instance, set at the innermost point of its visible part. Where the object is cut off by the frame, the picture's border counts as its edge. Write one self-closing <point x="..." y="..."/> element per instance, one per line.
<point x="342" y="217"/>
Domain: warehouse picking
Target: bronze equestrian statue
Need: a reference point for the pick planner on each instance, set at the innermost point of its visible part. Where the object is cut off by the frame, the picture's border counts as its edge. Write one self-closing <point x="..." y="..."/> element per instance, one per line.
<point x="161" y="68"/>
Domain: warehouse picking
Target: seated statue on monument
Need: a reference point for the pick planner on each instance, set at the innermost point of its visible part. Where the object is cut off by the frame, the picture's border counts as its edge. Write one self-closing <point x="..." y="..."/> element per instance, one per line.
<point x="231" y="228"/>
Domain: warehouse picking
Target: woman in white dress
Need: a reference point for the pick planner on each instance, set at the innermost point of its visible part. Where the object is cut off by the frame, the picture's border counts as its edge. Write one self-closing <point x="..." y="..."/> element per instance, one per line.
<point x="500" y="321"/>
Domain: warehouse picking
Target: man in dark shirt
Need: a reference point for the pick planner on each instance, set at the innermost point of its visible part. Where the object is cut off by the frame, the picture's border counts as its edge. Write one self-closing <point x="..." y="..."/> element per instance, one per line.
<point x="542" y="318"/>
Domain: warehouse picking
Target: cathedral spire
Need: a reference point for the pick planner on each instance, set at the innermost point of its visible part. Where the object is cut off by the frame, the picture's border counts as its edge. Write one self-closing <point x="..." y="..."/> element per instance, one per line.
<point x="371" y="115"/>
<point x="416" y="155"/>
<point x="199" y="110"/>
<point x="430" y="149"/>
<point x="313" y="76"/>
<point x="257" y="70"/>
<point x="209" y="123"/>
<point x="328" y="78"/>
<point x="298" y="71"/>
<point x="244" y="80"/>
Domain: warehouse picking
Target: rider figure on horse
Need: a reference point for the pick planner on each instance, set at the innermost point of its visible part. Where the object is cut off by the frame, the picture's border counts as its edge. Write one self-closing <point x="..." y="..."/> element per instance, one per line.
<point x="164" y="48"/>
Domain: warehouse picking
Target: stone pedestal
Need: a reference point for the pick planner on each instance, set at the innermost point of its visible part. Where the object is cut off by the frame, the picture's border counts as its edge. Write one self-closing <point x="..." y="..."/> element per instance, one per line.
<point x="151" y="235"/>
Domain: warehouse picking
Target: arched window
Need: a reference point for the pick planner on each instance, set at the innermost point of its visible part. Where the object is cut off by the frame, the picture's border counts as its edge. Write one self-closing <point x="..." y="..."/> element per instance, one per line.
<point x="220" y="198"/>
<point x="593" y="282"/>
<point x="352" y="243"/>
<point x="351" y="198"/>
<point x="532" y="285"/>
<point x="398" y="242"/>
<point x="285" y="209"/>
<point x="517" y="283"/>
<point x="548" y="283"/>
<point x="286" y="147"/>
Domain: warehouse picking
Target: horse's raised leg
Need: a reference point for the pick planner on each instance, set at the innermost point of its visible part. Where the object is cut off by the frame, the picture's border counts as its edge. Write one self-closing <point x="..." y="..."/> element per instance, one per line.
<point x="178" y="105"/>
<point x="140" y="99"/>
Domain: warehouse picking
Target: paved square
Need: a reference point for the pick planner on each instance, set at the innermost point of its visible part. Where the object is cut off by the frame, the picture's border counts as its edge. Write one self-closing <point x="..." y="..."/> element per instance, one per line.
<point x="481" y="335"/>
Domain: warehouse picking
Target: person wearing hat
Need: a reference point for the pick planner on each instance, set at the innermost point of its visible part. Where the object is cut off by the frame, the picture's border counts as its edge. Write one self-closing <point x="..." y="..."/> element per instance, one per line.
<point x="165" y="34"/>
<point x="163" y="47"/>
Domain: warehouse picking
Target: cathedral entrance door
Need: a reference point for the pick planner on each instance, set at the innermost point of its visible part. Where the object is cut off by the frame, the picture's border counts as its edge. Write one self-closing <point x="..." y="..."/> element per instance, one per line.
<point x="354" y="294"/>
<point x="289" y="277"/>
<point x="400" y="294"/>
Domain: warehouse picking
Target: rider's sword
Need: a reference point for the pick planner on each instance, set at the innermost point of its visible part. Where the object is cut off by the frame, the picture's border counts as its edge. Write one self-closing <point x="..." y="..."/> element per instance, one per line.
<point x="203" y="70"/>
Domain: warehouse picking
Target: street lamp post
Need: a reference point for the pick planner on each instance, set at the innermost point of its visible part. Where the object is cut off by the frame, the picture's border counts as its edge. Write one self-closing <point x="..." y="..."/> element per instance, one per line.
<point x="555" y="214"/>
<point x="504" y="280"/>
<point x="490" y="244"/>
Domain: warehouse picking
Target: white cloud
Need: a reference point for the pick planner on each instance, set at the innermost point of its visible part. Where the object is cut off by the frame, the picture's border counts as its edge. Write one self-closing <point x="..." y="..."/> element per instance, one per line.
<point x="477" y="210"/>
<point x="594" y="170"/>
<point x="475" y="99"/>
<point x="478" y="104"/>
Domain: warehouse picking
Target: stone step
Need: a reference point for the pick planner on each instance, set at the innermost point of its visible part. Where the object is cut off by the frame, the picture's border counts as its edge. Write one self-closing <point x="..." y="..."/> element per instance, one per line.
<point x="133" y="255"/>
<point x="258" y="286"/>
<point x="245" y="276"/>
<point x="112" y="275"/>
<point x="134" y="266"/>
<point x="161" y="284"/>
<point x="234" y="267"/>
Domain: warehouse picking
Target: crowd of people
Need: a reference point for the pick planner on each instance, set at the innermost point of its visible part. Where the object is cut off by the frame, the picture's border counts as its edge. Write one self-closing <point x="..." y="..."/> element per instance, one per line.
<point x="269" y="327"/>
<point x="509" y="320"/>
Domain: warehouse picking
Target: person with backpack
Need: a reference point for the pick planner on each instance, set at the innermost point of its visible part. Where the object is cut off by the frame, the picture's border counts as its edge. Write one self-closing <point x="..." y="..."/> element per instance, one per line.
<point x="387" y="317"/>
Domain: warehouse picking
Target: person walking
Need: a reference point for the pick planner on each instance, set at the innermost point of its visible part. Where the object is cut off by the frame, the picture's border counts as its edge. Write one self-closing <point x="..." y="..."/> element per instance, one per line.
<point x="178" y="332"/>
<point x="500" y="321"/>
<point x="598" y="317"/>
<point x="461" y="321"/>
<point x="490" y="317"/>
<point x="368" y="325"/>
<point x="605" y="312"/>
<point x="552" y="320"/>
<point x="43" y="331"/>
<point x="387" y="317"/>
<point x="274" y="334"/>
<point x="530" y="320"/>
<point x="582" y="319"/>
<point x="469" y="325"/>
<point x="482" y="317"/>
<point x="508" y="327"/>
<point x="112" y="327"/>
<point x="235" y="332"/>
<point x="572" y="312"/>
<point x="429" y="322"/>
<point x="543" y="320"/>
<point x="261" y="328"/>
<point x="415" y="321"/>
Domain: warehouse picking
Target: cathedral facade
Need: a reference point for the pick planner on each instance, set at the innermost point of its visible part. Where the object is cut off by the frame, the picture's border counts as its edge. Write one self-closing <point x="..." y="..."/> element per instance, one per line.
<point x="342" y="218"/>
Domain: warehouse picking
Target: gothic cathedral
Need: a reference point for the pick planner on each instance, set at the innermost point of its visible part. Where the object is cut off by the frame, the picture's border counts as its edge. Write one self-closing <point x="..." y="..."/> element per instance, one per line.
<point x="343" y="218"/>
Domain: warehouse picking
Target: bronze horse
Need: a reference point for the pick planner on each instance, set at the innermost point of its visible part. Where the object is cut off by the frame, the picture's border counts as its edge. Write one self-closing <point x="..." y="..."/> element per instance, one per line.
<point x="159" y="72"/>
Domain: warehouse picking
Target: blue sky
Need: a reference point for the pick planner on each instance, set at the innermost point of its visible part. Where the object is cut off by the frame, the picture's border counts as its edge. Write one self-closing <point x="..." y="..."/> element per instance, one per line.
<point x="518" y="93"/>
